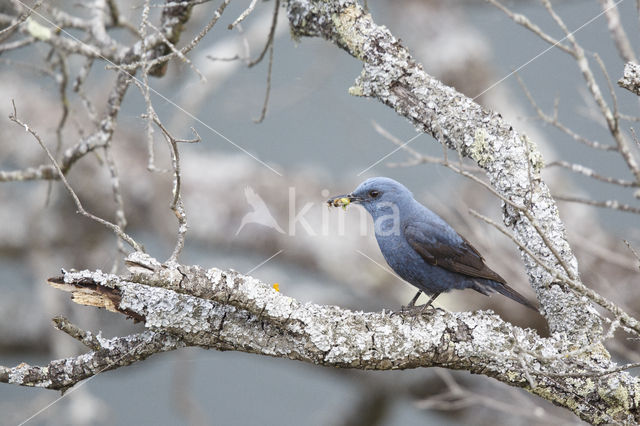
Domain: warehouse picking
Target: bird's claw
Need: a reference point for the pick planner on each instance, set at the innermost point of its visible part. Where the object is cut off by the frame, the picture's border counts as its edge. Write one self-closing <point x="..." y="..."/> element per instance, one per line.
<point x="413" y="310"/>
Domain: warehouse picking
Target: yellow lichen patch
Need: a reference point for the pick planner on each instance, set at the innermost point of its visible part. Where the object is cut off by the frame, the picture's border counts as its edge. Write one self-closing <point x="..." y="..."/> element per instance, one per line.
<point x="535" y="157"/>
<point x="38" y="30"/>
<point x="513" y="376"/>
<point x="588" y="386"/>
<point x="345" y="25"/>
<point x="479" y="150"/>
<point x="356" y="91"/>
<point x="616" y="396"/>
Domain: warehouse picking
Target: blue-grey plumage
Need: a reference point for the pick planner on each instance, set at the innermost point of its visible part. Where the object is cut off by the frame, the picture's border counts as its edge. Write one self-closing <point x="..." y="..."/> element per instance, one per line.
<point x="420" y="246"/>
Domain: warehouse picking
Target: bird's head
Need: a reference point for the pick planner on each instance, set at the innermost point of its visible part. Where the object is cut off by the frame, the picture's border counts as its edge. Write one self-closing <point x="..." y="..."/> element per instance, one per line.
<point x="377" y="195"/>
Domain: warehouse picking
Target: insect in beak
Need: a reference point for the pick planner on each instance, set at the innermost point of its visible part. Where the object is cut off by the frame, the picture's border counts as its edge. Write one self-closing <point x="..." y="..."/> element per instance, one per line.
<point x="342" y="201"/>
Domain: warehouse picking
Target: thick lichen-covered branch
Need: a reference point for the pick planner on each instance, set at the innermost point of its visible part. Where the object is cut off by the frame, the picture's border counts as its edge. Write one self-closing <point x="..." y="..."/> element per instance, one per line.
<point x="631" y="78"/>
<point x="191" y="306"/>
<point x="512" y="162"/>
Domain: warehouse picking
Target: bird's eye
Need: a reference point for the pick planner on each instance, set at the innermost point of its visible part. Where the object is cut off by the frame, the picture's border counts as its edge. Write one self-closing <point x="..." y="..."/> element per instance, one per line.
<point x="374" y="193"/>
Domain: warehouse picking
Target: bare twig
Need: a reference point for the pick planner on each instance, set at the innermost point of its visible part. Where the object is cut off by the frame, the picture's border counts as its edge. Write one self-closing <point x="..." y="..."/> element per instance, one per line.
<point x="64" y="105"/>
<point x="78" y="87"/>
<point x="184" y="50"/>
<point x="13" y="45"/>
<point x="609" y="204"/>
<point x="263" y="113"/>
<point x="526" y="23"/>
<point x="618" y="34"/>
<point x="115" y="228"/>
<point x="229" y="59"/>
<point x="178" y="53"/>
<point x="612" y="93"/>
<point x="121" y="219"/>
<point x="635" y="253"/>
<point x="594" y="89"/>
<point x="586" y="171"/>
<point x="84" y="337"/>
<point x="5" y="33"/>
<point x="554" y="121"/>
<point x="418" y="158"/>
<point x="270" y="37"/>
<point x="176" y="204"/>
<point x="244" y="14"/>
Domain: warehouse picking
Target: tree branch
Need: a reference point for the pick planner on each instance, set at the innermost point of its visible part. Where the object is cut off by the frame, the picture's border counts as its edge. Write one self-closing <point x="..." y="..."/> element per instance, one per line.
<point x="631" y="78"/>
<point x="224" y="310"/>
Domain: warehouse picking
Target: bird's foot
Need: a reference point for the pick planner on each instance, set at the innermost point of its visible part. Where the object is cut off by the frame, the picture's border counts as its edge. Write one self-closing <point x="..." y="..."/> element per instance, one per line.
<point x="413" y="310"/>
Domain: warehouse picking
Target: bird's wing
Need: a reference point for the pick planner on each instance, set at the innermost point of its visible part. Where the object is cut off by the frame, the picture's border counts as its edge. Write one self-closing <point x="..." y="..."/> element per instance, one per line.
<point x="431" y="243"/>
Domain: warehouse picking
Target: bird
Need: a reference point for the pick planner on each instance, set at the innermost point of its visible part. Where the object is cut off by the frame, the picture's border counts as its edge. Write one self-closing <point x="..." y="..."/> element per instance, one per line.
<point x="421" y="247"/>
<point x="260" y="213"/>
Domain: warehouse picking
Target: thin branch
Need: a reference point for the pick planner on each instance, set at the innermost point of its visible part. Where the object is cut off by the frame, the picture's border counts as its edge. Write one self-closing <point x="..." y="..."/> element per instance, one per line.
<point x="176" y="204"/>
<point x="115" y="228"/>
<point x="418" y="158"/>
<point x="263" y="113"/>
<point x="618" y="34"/>
<point x="84" y="337"/>
<point x="244" y="14"/>
<point x="270" y="37"/>
<point x="13" y="45"/>
<point x="184" y="50"/>
<point x="554" y="121"/>
<point x="612" y="93"/>
<point x="178" y="53"/>
<point x="609" y="204"/>
<point x="594" y="90"/>
<point x="585" y="171"/>
<point x="121" y="219"/>
<point x="179" y="3"/>
<point x="526" y="23"/>
<point x="78" y="87"/>
<point x="635" y="253"/>
<point x="5" y="33"/>
<point x="229" y="59"/>
<point x="64" y="104"/>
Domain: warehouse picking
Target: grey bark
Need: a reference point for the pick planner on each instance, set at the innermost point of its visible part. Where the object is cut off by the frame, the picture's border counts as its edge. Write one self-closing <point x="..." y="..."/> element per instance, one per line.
<point x="631" y="78"/>
<point x="224" y="310"/>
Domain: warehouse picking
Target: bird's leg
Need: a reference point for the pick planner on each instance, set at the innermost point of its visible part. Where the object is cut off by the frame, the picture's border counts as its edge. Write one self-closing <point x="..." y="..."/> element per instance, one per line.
<point x="431" y="299"/>
<point x="411" y="306"/>
<point x="412" y="303"/>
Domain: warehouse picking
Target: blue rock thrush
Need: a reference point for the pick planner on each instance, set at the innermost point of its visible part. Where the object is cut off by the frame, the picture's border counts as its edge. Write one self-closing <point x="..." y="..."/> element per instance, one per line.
<point x="421" y="247"/>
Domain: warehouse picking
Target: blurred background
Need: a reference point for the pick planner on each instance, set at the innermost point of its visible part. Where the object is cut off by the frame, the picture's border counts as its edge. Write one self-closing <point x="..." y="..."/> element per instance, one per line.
<point x="315" y="141"/>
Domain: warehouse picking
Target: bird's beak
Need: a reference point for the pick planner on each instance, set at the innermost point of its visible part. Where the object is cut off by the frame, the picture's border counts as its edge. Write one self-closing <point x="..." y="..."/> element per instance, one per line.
<point x="343" y="200"/>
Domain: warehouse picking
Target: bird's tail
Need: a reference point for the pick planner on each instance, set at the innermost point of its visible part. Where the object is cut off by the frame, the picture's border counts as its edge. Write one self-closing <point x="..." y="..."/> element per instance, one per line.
<point x="505" y="290"/>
